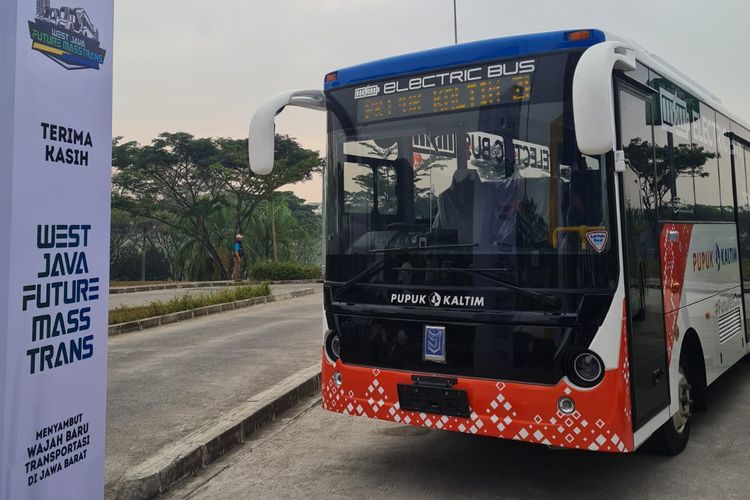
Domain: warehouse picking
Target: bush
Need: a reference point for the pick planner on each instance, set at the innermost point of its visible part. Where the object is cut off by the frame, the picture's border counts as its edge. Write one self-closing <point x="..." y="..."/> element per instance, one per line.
<point x="127" y="265"/>
<point x="186" y="303"/>
<point x="279" y="271"/>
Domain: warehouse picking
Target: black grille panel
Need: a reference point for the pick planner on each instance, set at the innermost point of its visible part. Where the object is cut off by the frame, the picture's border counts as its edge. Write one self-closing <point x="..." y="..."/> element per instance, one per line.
<point x="507" y="352"/>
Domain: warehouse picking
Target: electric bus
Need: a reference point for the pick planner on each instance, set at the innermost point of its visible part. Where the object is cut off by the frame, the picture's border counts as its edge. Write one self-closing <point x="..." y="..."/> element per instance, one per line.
<point x="538" y="238"/>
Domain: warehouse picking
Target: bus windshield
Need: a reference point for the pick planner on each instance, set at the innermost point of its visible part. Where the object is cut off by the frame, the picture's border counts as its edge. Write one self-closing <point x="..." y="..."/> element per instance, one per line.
<point x="444" y="181"/>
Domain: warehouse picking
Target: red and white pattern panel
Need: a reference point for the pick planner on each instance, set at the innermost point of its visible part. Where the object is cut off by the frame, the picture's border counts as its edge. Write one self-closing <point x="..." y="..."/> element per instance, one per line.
<point x="510" y="410"/>
<point x="675" y="246"/>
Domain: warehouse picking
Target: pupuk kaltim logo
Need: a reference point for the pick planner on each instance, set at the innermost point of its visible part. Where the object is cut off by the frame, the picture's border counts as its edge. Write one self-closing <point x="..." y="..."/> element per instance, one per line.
<point x="67" y="36"/>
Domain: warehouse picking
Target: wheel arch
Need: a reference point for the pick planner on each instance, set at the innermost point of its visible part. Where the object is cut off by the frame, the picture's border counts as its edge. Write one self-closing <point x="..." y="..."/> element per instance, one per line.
<point x="693" y="359"/>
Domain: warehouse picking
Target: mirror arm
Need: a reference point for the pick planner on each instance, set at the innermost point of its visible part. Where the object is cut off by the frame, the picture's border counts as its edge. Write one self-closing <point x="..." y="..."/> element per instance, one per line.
<point x="262" y="132"/>
<point x="593" y="95"/>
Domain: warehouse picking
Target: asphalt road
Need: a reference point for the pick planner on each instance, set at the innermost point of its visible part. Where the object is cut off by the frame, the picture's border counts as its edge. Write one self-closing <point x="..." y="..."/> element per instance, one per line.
<point x="166" y="382"/>
<point x="315" y="454"/>
<point x="138" y="298"/>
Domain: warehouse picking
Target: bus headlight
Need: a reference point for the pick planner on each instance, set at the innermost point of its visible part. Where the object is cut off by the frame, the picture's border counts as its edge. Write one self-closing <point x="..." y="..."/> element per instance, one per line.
<point x="333" y="345"/>
<point x="584" y="368"/>
<point x="588" y="367"/>
<point x="336" y="346"/>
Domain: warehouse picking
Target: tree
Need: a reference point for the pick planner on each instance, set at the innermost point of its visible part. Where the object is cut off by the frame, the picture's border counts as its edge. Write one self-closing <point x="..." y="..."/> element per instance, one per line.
<point x="119" y="239"/>
<point x="683" y="160"/>
<point x="190" y="185"/>
<point x="170" y="244"/>
<point x="175" y="181"/>
<point x="298" y="227"/>
<point x="292" y="164"/>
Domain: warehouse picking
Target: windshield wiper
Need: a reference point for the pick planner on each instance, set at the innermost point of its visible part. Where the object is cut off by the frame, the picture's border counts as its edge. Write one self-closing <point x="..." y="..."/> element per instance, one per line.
<point x="369" y="271"/>
<point x="376" y="267"/>
<point x="550" y="300"/>
<point x="543" y="297"/>
<point x="426" y="247"/>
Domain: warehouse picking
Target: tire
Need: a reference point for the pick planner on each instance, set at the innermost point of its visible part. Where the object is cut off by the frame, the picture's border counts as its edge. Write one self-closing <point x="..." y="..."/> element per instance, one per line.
<point x="672" y="437"/>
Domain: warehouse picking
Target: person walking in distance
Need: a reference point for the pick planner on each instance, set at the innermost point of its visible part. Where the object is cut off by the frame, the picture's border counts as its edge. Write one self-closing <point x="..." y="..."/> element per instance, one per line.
<point x="238" y="254"/>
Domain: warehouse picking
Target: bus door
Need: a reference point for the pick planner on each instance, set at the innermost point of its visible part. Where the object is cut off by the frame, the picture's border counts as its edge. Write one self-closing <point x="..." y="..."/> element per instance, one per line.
<point x="648" y="349"/>
<point x="740" y="149"/>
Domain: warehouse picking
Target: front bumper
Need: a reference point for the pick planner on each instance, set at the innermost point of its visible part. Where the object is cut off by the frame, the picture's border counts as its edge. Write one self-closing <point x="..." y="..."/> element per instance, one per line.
<point x="509" y="410"/>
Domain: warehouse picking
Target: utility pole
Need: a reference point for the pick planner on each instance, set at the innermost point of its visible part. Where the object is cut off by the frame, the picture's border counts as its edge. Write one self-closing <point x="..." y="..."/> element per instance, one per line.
<point x="455" y="24"/>
<point x="273" y="232"/>
<point x="143" y="255"/>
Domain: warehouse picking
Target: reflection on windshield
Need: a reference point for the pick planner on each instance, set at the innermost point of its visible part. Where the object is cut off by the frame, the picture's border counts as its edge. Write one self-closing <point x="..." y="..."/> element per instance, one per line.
<point x="496" y="204"/>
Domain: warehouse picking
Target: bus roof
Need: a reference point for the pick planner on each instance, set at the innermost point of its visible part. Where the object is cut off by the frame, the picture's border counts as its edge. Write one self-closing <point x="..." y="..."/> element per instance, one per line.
<point x="514" y="46"/>
<point x="464" y="53"/>
<point x="668" y="71"/>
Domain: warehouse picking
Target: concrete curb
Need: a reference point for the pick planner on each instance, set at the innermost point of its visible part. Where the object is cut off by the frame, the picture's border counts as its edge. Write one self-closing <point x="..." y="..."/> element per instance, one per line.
<point x="142" y="324"/>
<point x="201" y="284"/>
<point x="196" y="450"/>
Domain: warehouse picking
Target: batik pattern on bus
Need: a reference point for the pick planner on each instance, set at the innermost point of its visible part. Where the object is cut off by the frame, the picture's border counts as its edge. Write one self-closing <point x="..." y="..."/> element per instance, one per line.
<point x="675" y="243"/>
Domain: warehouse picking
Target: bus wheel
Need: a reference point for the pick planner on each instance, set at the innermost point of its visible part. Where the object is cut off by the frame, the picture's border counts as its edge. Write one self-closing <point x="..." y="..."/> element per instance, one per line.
<point x="672" y="437"/>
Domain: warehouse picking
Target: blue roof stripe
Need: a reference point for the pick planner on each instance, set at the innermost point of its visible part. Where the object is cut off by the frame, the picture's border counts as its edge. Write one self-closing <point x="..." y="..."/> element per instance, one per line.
<point x="465" y="53"/>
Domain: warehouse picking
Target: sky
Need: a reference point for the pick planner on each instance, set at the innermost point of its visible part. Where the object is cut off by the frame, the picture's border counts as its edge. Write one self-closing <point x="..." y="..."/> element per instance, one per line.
<point x="203" y="66"/>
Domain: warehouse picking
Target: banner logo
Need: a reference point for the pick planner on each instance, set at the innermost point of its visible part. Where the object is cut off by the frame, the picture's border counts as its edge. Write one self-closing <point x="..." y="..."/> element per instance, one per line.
<point x="67" y="36"/>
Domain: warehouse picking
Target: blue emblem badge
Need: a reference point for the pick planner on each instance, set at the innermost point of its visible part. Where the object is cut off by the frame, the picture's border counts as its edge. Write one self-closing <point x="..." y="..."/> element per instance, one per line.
<point x="597" y="239"/>
<point x="434" y="344"/>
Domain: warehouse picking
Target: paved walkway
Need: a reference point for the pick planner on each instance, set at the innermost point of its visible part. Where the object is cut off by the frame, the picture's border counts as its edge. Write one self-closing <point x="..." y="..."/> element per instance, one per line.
<point x="139" y="298"/>
<point x="166" y="382"/>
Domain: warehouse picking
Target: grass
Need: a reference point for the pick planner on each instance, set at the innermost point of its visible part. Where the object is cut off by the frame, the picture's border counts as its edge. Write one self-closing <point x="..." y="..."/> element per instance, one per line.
<point x="125" y="314"/>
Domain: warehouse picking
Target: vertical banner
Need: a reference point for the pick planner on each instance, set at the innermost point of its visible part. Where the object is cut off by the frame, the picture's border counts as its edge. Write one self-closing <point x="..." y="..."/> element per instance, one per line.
<point x="55" y="166"/>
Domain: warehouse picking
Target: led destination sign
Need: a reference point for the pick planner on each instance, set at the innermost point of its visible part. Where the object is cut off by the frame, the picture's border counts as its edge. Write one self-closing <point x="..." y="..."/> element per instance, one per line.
<point x="454" y="90"/>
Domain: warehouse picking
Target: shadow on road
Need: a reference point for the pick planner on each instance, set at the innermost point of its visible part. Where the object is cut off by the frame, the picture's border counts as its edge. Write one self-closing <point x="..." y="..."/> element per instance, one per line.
<point x="716" y="463"/>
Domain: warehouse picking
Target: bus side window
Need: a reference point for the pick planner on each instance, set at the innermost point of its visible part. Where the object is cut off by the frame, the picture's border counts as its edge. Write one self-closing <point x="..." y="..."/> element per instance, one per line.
<point x="725" y="168"/>
<point x="675" y="192"/>
<point x="704" y="166"/>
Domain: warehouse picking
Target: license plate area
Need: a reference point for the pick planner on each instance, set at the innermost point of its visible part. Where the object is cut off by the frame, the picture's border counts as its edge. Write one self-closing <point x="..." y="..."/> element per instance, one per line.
<point x="439" y="400"/>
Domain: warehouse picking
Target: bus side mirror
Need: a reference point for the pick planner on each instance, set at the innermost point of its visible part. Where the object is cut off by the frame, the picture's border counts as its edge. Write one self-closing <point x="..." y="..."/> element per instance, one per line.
<point x="262" y="134"/>
<point x="593" y="95"/>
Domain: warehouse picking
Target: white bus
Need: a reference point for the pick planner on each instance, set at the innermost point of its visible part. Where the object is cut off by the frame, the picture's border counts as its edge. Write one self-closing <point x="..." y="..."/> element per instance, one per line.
<point x="538" y="237"/>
